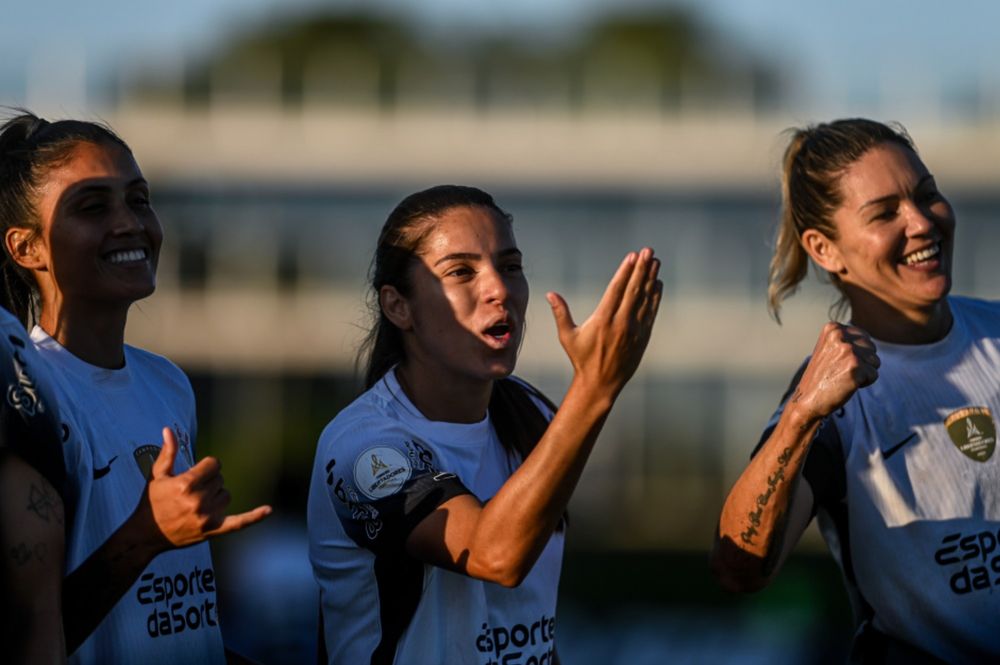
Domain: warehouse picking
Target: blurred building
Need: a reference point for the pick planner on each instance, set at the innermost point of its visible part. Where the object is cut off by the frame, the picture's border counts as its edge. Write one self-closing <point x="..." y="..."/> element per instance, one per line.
<point x="275" y="160"/>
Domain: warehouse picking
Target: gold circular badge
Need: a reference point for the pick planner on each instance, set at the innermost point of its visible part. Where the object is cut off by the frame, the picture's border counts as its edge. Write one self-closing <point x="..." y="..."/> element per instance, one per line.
<point x="972" y="431"/>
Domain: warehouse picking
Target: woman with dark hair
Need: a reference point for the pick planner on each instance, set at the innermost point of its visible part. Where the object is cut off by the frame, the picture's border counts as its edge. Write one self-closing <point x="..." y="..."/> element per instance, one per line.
<point x="81" y="244"/>
<point x="438" y="497"/>
<point x="886" y="433"/>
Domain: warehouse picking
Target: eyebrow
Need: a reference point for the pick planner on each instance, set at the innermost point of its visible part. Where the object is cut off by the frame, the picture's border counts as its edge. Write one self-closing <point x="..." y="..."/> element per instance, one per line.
<point x="93" y="187"/>
<point x="891" y="197"/>
<point x="472" y="256"/>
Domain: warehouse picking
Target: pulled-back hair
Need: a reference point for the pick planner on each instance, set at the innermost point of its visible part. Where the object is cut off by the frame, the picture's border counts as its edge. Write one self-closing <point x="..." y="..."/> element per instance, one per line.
<point x="398" y="246"/>
<point x="30" y="147"/>
<point x="518" y="421"/>
<point x="815" y="159"/>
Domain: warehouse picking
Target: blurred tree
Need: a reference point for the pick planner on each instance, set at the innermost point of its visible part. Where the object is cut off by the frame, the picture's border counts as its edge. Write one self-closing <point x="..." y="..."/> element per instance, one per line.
<point x="661" y="59"/>
<point x="351" y="58"/>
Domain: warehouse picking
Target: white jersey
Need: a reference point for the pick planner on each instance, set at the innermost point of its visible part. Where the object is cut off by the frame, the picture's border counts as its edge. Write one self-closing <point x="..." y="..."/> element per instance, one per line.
<point x="114" y="419"/>
<point x="908" y="490"/>
<point x="381" y="467"/>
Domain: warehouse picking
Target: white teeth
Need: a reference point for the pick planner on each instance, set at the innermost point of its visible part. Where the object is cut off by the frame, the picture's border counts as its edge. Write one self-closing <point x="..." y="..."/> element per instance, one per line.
<point x="922" y="255"/>
<point x="127" y="255"/>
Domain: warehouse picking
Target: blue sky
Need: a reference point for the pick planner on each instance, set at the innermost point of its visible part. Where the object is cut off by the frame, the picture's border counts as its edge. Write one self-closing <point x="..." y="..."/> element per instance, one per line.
<point x="835" y="52"/>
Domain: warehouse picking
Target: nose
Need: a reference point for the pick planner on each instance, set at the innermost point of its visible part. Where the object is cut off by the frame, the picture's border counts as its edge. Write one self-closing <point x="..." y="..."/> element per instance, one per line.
<point x="494" y="287"/>
<point x="918" y="222"/>
<point x="126" y="221"/>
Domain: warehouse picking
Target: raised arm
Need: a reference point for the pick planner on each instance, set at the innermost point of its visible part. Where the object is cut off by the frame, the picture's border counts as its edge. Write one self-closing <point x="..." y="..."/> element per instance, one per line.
<point x="31" y="538"/>
<point x="501" y="540"/>
<point x="175" y="511"/>
<point x="769" y="507"/>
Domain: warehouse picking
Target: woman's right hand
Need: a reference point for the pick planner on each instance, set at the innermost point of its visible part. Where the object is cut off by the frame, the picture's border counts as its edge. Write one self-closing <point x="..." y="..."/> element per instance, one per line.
<point x="605" y="350"/>
<point x="843" y="361"/>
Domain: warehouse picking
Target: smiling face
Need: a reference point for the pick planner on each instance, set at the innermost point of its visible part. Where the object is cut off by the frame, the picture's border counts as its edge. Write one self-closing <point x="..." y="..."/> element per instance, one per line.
<point x="895" y="230"/>
<point x="464" y="316"/>
<point x="99" y="238"/>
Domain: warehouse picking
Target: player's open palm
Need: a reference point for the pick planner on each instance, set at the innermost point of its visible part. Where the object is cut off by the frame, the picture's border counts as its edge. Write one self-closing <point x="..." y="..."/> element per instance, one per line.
<point x="607" y="347"/>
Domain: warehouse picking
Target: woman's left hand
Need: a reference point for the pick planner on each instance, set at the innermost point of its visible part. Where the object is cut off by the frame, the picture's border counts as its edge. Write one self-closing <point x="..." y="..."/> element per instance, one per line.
<point x="606" y="348"/>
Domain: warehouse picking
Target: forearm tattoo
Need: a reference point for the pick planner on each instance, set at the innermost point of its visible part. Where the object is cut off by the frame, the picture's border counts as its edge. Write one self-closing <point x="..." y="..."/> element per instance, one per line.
<point x="773" y="481"/>
<point x="23" y="554"/>
<point x="44" y="503"/>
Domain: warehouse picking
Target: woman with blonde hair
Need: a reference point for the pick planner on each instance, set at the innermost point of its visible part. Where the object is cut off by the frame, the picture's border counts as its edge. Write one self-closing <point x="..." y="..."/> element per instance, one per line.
<point x="887" y="432"/>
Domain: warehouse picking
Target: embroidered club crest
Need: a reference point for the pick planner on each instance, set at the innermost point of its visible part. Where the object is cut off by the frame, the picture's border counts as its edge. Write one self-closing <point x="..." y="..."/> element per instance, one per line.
<point x="972" y="431"/>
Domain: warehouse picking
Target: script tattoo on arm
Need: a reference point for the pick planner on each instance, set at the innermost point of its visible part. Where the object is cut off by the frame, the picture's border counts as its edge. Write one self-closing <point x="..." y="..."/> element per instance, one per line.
<point x="44" y="503"/>
<point x="773" y="481"/>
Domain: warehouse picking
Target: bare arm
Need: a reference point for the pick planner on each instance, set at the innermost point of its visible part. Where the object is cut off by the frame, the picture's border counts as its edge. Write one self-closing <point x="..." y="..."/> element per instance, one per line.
<point x="769" y="506"/>
<point x="501" y="540"/>
<point x="175" y="511"/>
<point x="31" y="537"/>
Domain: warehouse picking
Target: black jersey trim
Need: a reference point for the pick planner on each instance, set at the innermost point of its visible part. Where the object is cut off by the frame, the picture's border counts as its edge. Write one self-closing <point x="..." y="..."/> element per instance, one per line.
<point x="399" y="579"/>
<point x="863" y="610"/>
<point x="400" y="513"/>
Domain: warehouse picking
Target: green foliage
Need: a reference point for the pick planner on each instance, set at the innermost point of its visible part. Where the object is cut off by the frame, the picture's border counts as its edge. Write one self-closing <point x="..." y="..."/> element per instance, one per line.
<point x="639" y="58"/>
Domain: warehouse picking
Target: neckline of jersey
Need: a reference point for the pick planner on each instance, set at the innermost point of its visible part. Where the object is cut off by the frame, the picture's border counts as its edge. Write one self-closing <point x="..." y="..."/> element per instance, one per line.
<point x="106" y="378"/>
<point x="459" y="432"/>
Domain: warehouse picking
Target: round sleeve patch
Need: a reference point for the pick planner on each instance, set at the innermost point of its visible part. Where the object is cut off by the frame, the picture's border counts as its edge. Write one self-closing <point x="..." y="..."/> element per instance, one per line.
<point x="381" y="471"/>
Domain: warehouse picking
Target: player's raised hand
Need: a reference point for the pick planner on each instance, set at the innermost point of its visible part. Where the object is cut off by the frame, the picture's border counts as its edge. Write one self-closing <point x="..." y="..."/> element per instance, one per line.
<point x="190" y="507"/>
<point x="843" y="361"/>
<point x="607" y="347"/>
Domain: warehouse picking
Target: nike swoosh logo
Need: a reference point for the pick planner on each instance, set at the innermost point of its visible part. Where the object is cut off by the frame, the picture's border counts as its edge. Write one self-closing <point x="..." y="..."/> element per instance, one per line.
<point x="103" y="471"/>
<point x="886" y="454"/>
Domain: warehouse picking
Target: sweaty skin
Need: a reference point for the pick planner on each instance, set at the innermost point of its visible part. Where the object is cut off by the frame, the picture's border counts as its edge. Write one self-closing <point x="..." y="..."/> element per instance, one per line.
<point x="500" y="541"/>
<point x="768" y="508"/>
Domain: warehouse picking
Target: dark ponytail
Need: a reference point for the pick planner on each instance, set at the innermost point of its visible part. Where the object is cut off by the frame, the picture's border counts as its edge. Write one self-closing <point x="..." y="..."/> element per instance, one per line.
<point x="518" y="421"/>
<point x="29" y="147"/>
